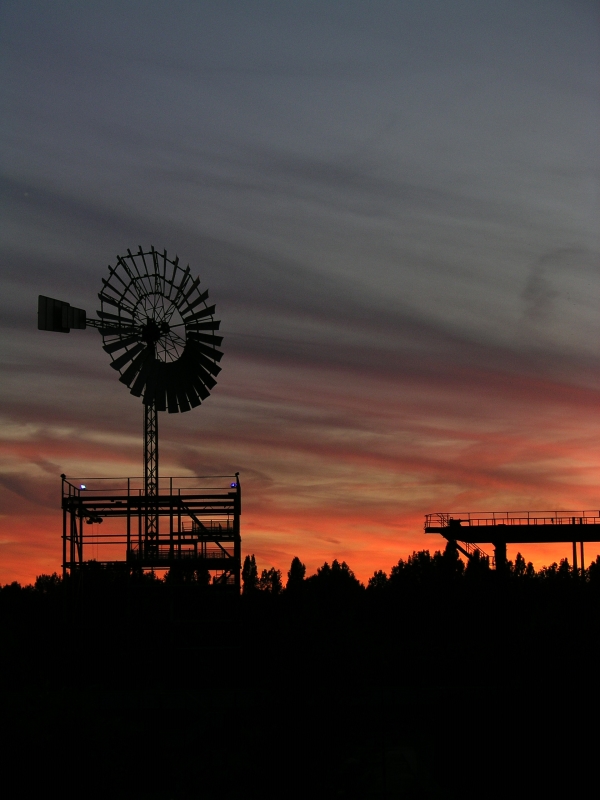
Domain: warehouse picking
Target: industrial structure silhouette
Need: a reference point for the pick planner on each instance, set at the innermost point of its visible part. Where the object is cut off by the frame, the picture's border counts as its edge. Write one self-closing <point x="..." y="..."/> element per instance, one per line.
<point x="159" y="330"/>
<point x="471" y="529"/>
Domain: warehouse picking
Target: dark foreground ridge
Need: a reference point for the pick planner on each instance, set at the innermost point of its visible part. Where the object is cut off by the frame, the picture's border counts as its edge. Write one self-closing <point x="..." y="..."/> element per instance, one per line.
<point x="436" y="681"/>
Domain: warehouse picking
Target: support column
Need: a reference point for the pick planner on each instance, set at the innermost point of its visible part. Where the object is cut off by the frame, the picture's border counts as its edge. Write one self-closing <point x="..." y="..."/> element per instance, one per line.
<point x="64" y="536"/>
<point x="151" y="479"/>
<point x="237" y="539"/>
<point x="500" y="556"/>
<point x="575" y="558"/>
<point x="80" y="538"/>
<point x="128" y="553"/>
<point x="64" y="542"/>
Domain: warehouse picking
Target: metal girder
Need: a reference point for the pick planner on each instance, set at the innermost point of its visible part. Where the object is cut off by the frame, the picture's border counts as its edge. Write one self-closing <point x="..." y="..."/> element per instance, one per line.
<point x="151" y="532"/>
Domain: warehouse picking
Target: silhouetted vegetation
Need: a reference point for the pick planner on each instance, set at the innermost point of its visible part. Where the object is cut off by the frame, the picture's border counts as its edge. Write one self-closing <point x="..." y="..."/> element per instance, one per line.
<point x="295" y="576"/>
<point x="270" y="581"/>
<point x="436" y="679"/>
<point x="249" y="575"/>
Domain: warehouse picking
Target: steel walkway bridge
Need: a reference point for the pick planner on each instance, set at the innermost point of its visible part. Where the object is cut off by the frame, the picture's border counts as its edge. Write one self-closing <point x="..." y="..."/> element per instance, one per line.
<point x="470" y="529"/>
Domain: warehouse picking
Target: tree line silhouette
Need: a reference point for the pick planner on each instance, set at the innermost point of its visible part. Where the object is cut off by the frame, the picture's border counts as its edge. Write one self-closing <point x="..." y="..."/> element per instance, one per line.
<point x="419" y="569"/>
<point x="439" y="678"/>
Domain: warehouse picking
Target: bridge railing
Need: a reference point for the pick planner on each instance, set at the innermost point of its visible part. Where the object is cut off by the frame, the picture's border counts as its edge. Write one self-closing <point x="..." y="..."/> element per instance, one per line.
<point x="492" y="518"/>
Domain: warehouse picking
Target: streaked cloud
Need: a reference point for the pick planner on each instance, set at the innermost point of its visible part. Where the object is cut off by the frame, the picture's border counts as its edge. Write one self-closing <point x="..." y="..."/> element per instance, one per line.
<point x="395" y="209"/>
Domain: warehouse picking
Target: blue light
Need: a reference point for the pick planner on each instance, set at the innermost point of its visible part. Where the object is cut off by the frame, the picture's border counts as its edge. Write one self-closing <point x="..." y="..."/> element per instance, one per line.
<point x="82" y="486"/>
<point x="234" y="485"/>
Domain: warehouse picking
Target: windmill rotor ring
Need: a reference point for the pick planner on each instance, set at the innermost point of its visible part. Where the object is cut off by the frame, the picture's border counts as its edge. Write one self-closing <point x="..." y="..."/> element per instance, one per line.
<point x="159" y="330"/>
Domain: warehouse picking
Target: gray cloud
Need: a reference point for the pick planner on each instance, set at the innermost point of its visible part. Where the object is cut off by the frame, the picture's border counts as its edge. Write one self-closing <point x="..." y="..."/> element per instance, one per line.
<point x="392" y="204"/>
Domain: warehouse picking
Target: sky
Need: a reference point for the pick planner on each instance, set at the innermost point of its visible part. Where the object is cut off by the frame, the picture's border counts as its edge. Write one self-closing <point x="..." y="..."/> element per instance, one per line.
<point x="394" y="206"/>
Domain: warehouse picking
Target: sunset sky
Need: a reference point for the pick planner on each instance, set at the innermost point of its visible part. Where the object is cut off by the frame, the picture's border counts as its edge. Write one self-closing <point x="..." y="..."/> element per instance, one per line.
<point x="394" y="206"/>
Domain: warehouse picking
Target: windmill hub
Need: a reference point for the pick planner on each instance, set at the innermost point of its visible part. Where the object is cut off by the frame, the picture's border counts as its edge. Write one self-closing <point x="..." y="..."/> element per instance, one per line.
<point x="152" y="331"/>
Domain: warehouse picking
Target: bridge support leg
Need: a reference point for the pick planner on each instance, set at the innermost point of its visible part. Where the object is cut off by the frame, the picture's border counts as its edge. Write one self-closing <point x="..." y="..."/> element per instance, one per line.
<point x="575" y="570"/>
<point x="500" y="556"/>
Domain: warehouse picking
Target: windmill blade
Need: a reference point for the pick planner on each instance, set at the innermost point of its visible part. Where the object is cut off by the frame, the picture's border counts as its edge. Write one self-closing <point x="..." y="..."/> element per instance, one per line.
<point x="160" y="394"/>
<point x="117" y="330"/>
<point x="208" y="338"/>
<point x="217" y="355"/>
<point x="204" y="376"/>
<point x="178" y="380"/>
<point x="195" y="284"/>
<point x="178" y="281"/>
<point x="200" y="358"/>
<point x="200" y="299"/>
<point x="134" y="262"/>
<point x="114" y="273"/>
<point x="155" y="274"/>
<point x="182" y="285"/>
<point x="199" y="387"/>
<point x="193" y="398"/>
<point x="112" y="348"/>
<point x="182" y="400"/>
<point x="115" y="289"/>
<point x="146" y="285"/>
<point x="132" y="278"/>
<point x="143" y="377"/>
<point x="172" y="406"/>
<point x="160" y="398"/>
<point x="203" y="326"/>
<point x="120" y="303"/>
<point x="115" y="322"/>
<point x="156" y="389"/>
<point x="153" y="390"/>
<point x="144" y="275"/>
<point x="205" y="312"/>
<point x="117" y="317"/>
<point x="120" y="362"/>
<point x="195" y="368"/>
<point x="133" y="369"/>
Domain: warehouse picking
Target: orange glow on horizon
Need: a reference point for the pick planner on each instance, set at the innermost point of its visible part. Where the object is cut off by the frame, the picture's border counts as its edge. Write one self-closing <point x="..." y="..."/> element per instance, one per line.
<point x="336" y="474"/>
<point x="365" y="544"/>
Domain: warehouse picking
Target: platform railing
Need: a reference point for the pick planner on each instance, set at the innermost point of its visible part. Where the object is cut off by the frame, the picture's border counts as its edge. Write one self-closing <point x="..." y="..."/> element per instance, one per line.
<point x="219" y="527"/>
<point x="134" y="487"/>
<point x="166" y="553"/>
